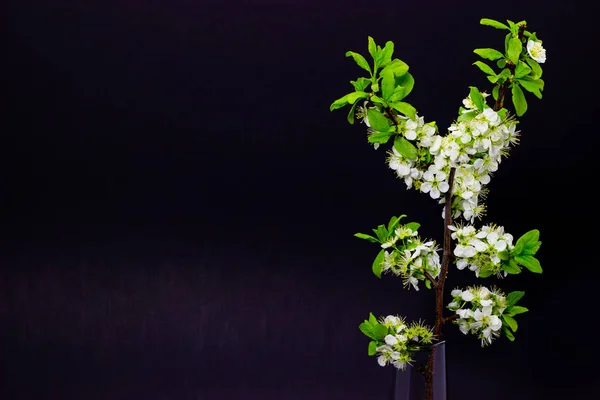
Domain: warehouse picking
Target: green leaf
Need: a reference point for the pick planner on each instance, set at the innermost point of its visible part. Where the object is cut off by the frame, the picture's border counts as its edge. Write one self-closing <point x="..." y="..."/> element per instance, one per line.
<point x="501" y="63"/>
<point x="508" y="333"/>
<point x="511" y="322"/>
<point x="514" y="50"/>
<point x="427" y="284"/>
<point x="367" y="237"/>
<point x="485" y="273"/>
<point x="531" y="249"/>
<point x="405" y="148"/>
<point x="514" y="297"/>
<point x="466" y="116"/>
<point x="352" y="97"/>
<point x="386" y="54"/>
<point x="404" y="86"/>
<point x="533" y="86"/>
<point x="529" y="238"/>
<point x="405" y="109"/>
<point x="493" y="78"/>
<point x="372" y="48"/>
<point x="493" y="23"/>
<point x="485" y="68"/>
<point x="380" y="331"/>
<point x="398" y="94"/>
<point x="339" y="103"/>
<point x="518" y="98"/>
<point x="413" y="226"/>
<point x="360" y="60"/>
<point x="511" y="267"/>
<point x="495" y="92"/>
<point x="367" y="329"/>
<point x="377" y="263"/>
<point x="503" y="255"/>
<point x="381" y="232"/>
<point x="394" y="222"/>
<point x="398" y="67"/>
<point x="372" y="348"/>
<point x="488" y="54"/>
<point x="535" y="68"/>
<point x="372" y="319"/>
<point x="380" y="137"/>
<point x="378" y="100"/>
<point x="377" y="120"/>
<point x="360" y="84"/>
<point x="529" y="262"/>
<point x="514" y="310"/>
<point x="351" y="113"/>
<point x="476" y="97"/>
<point x="522" y="70"/>
<point x="388" y="84"/>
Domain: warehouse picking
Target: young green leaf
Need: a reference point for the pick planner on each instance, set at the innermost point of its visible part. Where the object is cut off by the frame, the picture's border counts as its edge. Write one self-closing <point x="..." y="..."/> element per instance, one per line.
<point x="372" y="348"/>
<point x="495" y="92"/>
<point x="388" y="84"/>
<point x="377" y="263"/>
<point x="529" y="262"/>
<point x="485" y="68"/>
<point x="518" y="98"/>
<point x="511" y="267"/>
<point x="372" y="48"/>
<point x="367" y="329"/>
<point x="377" y="120"/>
<point x="533" y="86"/>
<point x="508" y="333"/>
<point x="372" y="319"/>
<point x="407" y="82"/>
<point x="531" y="248"/>
<point x="360" y="84"/>
<point x="405" y="109"/>
<point x="522" y="70"/>
<point x="514" y="297"/>
<point x="380" y="331"/>
<point x="535" y="68"/>
<point x="476" y="97"/>
<point x="485" y="273"/>
<point x="394" y="221"/>
<point x="511" y="322"/>
<point x="386" y="54"/>
<point x="489" y="54"/>
<point x="380" y="137"/>
<point x="514" y="310"/>
<point x="339" y="103"/>
<point x="360" y="60"/>
<point x="493" y="23"/>
<point x="367" y="237"/>
<point x="527" y="239"/>
<point x="352" y="97"/>
<point x="466" y="116"/>
<point x="351" y="113"/>
<point x="398" y="67"/>
<point x="413" y="226"/>
<point x="405" y="148"/>
<point x="514" y="50"/>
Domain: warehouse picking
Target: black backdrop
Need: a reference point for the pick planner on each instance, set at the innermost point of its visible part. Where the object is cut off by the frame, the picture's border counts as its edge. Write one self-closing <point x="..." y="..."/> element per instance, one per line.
<point x="178" y="203"/>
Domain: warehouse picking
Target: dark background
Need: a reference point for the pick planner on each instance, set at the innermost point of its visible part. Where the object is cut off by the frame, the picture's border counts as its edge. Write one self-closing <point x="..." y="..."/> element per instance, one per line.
<point x="178" y="203"/>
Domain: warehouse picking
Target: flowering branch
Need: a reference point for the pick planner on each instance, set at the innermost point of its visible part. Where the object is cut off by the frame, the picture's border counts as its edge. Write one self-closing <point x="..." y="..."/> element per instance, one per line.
<point x="452" y="169"/>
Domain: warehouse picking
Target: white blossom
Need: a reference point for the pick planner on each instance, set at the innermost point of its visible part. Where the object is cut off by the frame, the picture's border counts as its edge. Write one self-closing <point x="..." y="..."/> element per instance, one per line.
<point x="536" y="51"/>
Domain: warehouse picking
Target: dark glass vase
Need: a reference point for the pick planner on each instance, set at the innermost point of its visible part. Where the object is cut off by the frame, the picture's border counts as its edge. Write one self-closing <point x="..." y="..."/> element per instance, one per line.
<point x="410" y="384"/>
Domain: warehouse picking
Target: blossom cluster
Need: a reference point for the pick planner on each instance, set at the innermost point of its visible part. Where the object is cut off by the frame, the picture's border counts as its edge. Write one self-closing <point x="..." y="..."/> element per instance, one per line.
<point x="481" y="250"/>
<point x="409" y="257"/>
<point x="479" y="312"/>
<point x="402" y="341"/>
<point x="474" y="146"/>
